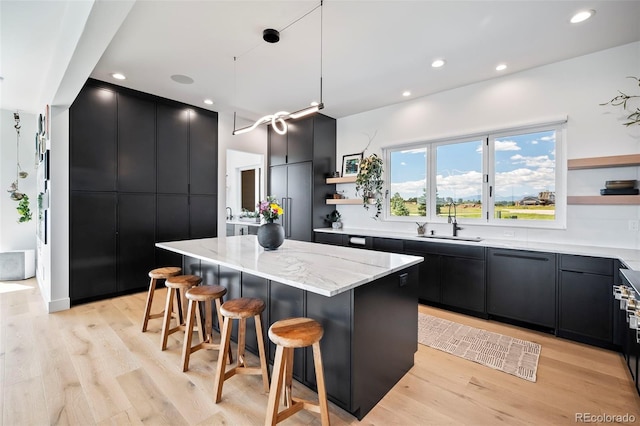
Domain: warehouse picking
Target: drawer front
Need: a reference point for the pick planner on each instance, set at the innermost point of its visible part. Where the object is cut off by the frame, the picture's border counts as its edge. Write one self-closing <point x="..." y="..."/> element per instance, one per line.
<point x="592" y="265"/>
<point x="456" y="250"/>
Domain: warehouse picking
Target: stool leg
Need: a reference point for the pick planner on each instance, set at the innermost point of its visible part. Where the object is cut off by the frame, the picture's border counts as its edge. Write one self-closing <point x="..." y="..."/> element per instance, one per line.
<point x="202" y="332"/>
<point x="322" y="391"/>
<point x="288" y="378"/>
<point x="167" y="317"/>
<point x="188" y="334"/>
<point x="225" y="346"/>
<point x="277" y="378"/>
<point x="261" y="351"/>
<point x="242" y="330"/>
<point x="220" y="322"/>
<point x="147" y="308"/>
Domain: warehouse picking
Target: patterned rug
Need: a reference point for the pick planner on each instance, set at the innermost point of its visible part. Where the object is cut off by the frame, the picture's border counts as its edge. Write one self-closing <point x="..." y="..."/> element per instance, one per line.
<point x="500" y="352"/>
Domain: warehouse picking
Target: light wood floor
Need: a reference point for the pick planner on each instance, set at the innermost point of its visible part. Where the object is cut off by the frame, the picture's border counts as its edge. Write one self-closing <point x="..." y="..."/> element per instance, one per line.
<point x="92" y="365"/>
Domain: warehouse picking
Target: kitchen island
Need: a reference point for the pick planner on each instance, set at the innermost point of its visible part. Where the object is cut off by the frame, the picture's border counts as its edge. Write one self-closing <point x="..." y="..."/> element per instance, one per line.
<point x="366" y="301"/>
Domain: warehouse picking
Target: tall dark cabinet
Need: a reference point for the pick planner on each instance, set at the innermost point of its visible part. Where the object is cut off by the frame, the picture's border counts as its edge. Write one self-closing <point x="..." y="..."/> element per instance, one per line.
<point x="143" y="169"/>
<point x="299" y="162"/>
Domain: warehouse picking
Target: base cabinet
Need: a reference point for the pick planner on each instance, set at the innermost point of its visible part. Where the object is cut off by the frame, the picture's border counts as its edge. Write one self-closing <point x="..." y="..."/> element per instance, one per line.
<point x="586" y="299"/>
<point x="521" y="285"/>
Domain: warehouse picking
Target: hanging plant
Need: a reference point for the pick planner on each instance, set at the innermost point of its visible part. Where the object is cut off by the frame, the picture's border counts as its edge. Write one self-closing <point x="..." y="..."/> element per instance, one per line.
<point x="23" y="209"/>
<point x="369" y="183"/>
<point x="622" y="99"/>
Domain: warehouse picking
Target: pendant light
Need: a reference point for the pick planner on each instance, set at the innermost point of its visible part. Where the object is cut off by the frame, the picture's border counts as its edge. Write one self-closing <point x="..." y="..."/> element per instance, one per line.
<point x="278" y="119"/>
<point x="14" y="190"/>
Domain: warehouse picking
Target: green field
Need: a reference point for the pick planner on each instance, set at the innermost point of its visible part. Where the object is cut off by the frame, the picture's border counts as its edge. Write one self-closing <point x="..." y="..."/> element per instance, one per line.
<point x="504" y="212"/>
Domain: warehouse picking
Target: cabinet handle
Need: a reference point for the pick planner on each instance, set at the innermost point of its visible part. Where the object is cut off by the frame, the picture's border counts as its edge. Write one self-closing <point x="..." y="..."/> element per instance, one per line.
<point x="517" y="256"/>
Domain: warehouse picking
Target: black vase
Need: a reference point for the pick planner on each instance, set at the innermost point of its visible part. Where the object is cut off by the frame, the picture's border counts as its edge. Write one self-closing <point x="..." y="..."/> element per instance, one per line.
<point x="270" y="235"/>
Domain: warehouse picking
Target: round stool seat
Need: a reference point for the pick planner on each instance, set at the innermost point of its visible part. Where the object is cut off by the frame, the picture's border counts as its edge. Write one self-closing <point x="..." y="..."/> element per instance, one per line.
<point x="204" y="293"/>
<point x="164" y="273"/>
<point x="244" y="307"/>
<point x="183" y="281"/>
<point x="296" y="332"/>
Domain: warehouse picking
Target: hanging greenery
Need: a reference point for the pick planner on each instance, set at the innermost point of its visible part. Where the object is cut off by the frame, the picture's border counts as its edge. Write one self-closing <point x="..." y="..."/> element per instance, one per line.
<point x="23" y="209"/>
<point x="622" y="99"/>
<point x="369" y="183"/>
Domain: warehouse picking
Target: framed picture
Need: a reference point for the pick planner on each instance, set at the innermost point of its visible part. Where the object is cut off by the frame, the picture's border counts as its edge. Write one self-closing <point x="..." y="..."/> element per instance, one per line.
<point x="351" y="164"/>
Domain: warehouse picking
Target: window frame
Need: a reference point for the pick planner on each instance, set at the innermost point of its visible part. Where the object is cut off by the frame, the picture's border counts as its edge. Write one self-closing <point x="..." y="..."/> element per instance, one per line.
<point x="488" y="176"/>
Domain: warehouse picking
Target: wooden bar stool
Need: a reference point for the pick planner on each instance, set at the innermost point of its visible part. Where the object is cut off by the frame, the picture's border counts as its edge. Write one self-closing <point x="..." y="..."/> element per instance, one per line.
<point x="288" y="334"/>
<point x="155" y="275"/>
<point x="240" y="309"/>
<point x="205" y="294"/>
<point x="176" y="287"/>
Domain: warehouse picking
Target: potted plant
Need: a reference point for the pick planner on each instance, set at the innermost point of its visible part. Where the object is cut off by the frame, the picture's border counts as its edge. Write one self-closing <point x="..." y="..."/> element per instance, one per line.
<point x="23" y="209"/>
<point x="334" y="219"/>
<point x="369" y="183"/>
<point x="622" y="99"/>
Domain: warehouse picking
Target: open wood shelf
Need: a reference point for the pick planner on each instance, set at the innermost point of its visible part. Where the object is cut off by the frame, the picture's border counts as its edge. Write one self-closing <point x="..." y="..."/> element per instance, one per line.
<point x="344" y="201"/>
<point x="348" y="179"/>
<point x="604" y="199"/>
<point x="602" y="162"/>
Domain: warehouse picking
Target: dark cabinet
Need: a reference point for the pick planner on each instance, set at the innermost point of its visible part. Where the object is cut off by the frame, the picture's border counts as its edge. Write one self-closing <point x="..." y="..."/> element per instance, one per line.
<point x="297" y="180"/>
<point x="294" y="146"/>
<point x="389" y="245"/>
<point x="136" y="144"/>
<point x="286" y="302"/>
<point x="92" y="163"/>
<point x="92" y="244"/>
<point x="136" y="239"/>
<point x="521" y="285"/>
<point x="326" y="238"/>
<point x="149" y="165"/>
<point x="585" y="311"/>
<point x="451" y="275"/>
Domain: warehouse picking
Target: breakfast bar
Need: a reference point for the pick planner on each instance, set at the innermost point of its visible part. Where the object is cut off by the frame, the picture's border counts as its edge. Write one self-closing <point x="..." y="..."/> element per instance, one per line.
<point x="366" y="301"/>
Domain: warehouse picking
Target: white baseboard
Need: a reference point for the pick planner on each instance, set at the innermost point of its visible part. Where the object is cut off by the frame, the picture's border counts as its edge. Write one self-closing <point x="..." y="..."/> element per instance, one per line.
<point x="59" y="305"/>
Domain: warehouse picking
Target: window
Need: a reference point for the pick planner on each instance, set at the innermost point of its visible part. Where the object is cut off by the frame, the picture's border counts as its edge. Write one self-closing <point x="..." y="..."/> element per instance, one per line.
<point x="498" y="178"/>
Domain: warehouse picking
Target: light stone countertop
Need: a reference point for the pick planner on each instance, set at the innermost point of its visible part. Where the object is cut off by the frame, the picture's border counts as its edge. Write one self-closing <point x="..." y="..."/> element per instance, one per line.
<point x="318" y="268"/>
<point x="243" y="222"/>
<point x="629" y="257"/>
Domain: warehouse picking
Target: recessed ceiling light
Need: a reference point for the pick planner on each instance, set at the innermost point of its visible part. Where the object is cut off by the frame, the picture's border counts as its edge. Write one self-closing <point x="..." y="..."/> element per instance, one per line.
<point x="182" y="79"/>
<point x="582" y="16"/>
<point x="118" y="76"/>
<point x="208" y="101"/>
<point x="501" y="67"/>
<point x="406" y="93"/>
<point x="437" y="63"/>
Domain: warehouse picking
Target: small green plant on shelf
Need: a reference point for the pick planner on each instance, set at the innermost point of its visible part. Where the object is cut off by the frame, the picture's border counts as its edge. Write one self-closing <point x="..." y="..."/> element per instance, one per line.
<point x="622" y="99"/>
<point x="369" y="182"/>
<point x="23" y="210"/>
<point x="334" y="219"/>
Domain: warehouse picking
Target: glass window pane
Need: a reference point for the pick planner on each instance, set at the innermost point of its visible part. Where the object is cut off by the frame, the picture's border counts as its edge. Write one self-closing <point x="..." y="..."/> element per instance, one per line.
<point x="408" y="177"/>
<point x="525" y="176"/>
<point x="459" y="178"/>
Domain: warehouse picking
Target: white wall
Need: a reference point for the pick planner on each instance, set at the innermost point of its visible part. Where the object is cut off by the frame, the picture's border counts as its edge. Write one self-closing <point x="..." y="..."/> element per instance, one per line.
<point x="572" y="88"/>
<point x="14" y="235"/>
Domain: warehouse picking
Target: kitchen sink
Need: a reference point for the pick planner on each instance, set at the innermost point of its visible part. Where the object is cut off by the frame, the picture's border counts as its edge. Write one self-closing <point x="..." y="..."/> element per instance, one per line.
<point x="450" y="237"/>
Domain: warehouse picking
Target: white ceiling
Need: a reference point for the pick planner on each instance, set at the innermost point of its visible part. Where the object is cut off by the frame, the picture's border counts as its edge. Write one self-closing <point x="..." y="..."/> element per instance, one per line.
<point x="371" y="50"/>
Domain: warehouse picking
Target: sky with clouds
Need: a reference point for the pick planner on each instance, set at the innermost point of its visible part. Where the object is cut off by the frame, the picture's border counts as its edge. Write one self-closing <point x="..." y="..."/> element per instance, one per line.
<point x="524" y="165"/>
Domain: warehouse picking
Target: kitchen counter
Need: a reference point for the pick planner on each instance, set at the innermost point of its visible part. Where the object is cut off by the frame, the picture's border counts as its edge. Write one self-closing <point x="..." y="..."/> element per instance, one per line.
<point x="243" y="222"/>
<point x="299" y="264"/>
<point x="629" y="257"/>
<point x="367" y="303"/>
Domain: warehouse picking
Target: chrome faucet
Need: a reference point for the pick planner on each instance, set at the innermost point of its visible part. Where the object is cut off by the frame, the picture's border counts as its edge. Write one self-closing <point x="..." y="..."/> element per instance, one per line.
<point x="453" y="219"/>
<point x="230" y="213"/>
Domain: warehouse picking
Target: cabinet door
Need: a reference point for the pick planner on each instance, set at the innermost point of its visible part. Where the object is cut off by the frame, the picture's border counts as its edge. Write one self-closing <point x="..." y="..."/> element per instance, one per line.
<point x="390" y="245"/>
<point x="277" y="148"/>
<point x="333" y="239"/>
<point x="203" y="152"/>
<point x="257" y="287"/>
<point x="586" y="305"/>
<point x="136" y="144"/>
<point x="463" y="283"/>
<point x="300" y="140"/>
<point x="429" y="284"/>
<point x="172" y="224"/>
<point x="173" y="149"/>
<point x="299" y="203"/>
<point x="92" y="121"/>
<point x="203" y="216"/>
<point x="278" y="187"/>
<point x="286" y="302"/>
<point x="92" y="245"/>
<point x="521" y="286"/>
<point x="136" y="239"/>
